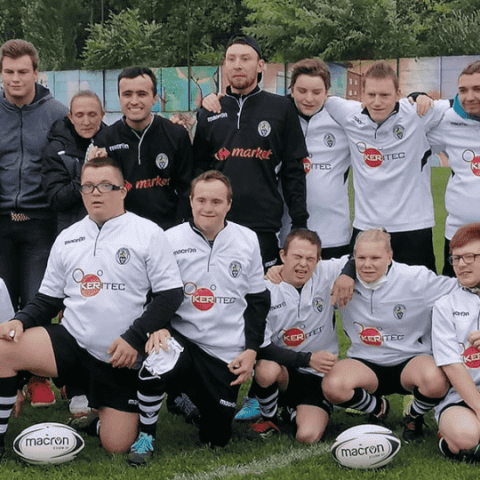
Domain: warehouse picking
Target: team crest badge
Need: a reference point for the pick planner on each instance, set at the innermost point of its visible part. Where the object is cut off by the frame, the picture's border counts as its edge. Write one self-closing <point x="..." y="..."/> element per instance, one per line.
<point x="399" y="311"/>
<point x="122" y="256"/>
<point x="161" y="161"/>
<point x="398" y="132"/>
<point x="264" y="128"/>
<point x="317" y="304"/>
<point x="329" y="140"/>
<point x="235" y="269"/>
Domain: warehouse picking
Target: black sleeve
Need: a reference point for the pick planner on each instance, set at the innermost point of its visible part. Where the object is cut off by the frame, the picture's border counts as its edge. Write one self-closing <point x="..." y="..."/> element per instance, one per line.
<point x="39" y="311"/>
<point x="258" y="305"/>
<point x="292" y="174"/>
<point x="349" y="268"/>
<point x="61" y="177"/>
<point x="283" y="356"/>
<point x="157" y="315"/>
<point x="182" y="176"/>
<point x="202" y="151"/>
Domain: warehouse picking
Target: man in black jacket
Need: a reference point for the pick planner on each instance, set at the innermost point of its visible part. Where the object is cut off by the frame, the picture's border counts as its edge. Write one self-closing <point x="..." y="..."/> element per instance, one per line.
<point x="154" y="154"/>
<point x="63" y="158"/>
<point x="257" y="142"/>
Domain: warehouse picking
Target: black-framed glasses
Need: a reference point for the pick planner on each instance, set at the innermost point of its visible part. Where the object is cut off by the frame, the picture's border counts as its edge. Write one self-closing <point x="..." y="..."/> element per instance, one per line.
<point x="101" y="187"/>
<point x="467" y="258"/>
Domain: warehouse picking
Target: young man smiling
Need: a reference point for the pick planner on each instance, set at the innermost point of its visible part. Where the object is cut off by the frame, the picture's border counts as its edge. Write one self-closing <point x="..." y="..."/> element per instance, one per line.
<point x="456" y="344"/>
<point x="220" y="324"/>
<point x="457" y="136"/>
<point x="391" y="175"/>
<point x="155" y="155"/>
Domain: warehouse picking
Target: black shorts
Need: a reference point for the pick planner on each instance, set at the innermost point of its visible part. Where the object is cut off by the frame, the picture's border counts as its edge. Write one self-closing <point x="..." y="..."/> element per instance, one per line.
<point x="305" y="389"/>
<point x="206" y="380"/>
<point x="454" y="404"/>
<point x="103" y="385"/>
<point x="388" y="377"/>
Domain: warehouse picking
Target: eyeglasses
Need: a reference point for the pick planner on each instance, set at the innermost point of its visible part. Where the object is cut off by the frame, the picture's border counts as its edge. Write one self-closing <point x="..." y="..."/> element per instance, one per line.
<point x="101" y="187"/>
<point x="467" y="258"/>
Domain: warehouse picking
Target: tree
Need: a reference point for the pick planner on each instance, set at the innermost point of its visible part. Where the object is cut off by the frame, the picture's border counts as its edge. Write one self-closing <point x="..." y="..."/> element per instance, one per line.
<point x="124" y="40"/>
<point x="52" y="26"/>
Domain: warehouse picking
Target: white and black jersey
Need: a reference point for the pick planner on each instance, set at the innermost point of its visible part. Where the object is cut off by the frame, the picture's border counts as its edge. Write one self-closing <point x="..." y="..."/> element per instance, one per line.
<point x="303" y="321"/>
<point x="455" y="317"/>
<point x="104" y="276"/>
<point x="393" y="323"/>
<point x="218" y="278"/>
<point x="326" y="169"/>
<point x="391" y="174"/>
<point x="459" y="139"/>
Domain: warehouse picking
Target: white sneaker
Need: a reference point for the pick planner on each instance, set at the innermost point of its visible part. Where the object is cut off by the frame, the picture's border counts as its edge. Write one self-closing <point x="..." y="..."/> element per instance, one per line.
<point x="79" y="405"/>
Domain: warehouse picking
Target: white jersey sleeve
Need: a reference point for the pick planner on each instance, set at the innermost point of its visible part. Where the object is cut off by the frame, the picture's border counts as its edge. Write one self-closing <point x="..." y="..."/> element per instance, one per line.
<point x="6" y="308"/>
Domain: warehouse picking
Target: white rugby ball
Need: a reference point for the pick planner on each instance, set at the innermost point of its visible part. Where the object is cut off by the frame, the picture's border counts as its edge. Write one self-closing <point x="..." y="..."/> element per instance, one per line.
<point x="48" y="443"/>
<point x="366" y="446"/>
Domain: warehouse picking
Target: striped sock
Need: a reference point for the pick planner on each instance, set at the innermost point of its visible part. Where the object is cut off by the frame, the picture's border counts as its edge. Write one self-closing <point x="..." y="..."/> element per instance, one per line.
<point x="268" y="400"/>
<point x="363" y="401"/>
<point x="421" y="404"/>
<point x="8" y="397"/>
<point x="150" y="396"/>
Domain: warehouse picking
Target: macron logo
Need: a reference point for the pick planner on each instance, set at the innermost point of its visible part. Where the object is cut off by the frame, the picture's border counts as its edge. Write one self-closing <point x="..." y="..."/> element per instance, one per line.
<point x="216" y="117"/>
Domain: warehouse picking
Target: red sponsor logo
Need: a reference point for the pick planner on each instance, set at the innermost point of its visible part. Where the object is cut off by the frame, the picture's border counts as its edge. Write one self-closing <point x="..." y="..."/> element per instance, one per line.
<point x="293" y="337"/>
<point x="90" y="285"/>
<point x="373" y="157"/>
<point x="475" y="164"/>
<point x="151" y="182"/>
<point x="222" y="154"/>
<point x="370" y="336"/>
<point x="471" y="357"/>
<point x="203" y="299"/>
<point x="307" y="165"/>
<point x="128" y="185"/>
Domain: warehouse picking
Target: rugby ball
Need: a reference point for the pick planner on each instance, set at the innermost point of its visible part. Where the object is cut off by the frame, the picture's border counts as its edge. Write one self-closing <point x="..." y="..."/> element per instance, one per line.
<point x="366" y="446"/>
<point x="48" y="443"/>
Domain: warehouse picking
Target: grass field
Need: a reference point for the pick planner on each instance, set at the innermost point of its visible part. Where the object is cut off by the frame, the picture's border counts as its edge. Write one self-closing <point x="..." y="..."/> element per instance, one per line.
<point x="179" y="455"/>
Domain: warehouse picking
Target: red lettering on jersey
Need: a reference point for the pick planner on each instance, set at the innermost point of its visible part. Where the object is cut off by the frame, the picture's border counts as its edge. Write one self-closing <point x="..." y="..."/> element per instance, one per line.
<point x="307" y="165"/>
<point x="293" y="337"/>
<point x="370" y="336"/>
<point x="372" y="157"/>
<point x="203" y="299"/>
<point x="90" y="285"/>
<point x="475" y="164"/>
<point x="471" y="357"/>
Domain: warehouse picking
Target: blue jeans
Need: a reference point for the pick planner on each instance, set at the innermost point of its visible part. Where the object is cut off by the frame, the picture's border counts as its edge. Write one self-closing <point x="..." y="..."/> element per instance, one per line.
<point x="24" y="250"/>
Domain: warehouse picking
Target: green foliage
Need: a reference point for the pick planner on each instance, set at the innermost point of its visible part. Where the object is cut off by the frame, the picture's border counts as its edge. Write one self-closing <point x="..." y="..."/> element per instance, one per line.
<point x="123" y="40"/>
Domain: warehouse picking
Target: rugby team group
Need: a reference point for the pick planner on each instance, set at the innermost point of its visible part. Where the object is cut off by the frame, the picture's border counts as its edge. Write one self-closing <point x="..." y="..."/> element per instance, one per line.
<point x="184" y="268"/>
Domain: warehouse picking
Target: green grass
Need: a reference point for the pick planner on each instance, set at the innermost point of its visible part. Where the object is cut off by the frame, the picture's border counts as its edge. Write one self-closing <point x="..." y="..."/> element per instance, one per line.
<point x="179" y="455"/>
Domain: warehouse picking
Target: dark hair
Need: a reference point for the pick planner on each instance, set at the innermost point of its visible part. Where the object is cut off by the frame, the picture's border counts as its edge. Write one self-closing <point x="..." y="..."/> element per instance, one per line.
<point x="102" y="162"/>
<point x="134" y="72"/>
<point x="88" y="94"/>
<point x="303" y="234"/>
<point x="381" y="70"/>
<point x="211" y="175"/>
<point x="313" y="67"/>
<point x="18" y="48"/>
<point x="474" y="67"/>
<point x="464" y="235"/>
